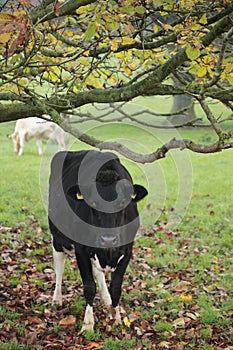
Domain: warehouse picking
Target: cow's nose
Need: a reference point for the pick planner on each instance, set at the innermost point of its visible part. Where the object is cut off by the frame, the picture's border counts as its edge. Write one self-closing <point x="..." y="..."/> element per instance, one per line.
<point x="106" y="241"/>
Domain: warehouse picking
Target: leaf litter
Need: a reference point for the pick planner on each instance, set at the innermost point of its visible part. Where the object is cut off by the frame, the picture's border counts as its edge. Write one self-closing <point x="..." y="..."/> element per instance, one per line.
<point x="161" y="308"/>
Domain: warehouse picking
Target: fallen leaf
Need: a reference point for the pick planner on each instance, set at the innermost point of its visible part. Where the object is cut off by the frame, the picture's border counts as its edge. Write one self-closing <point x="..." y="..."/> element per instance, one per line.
<point x="126" y="321"/>
<point x="179" y="322"/>
<point x="34" y="320"/>
<point x="165" y="344"/>
<point x="181" y="289"/>
<point x="93" y="345"/>
<point x="68" y="321"/>
<point x="186" y="297"/>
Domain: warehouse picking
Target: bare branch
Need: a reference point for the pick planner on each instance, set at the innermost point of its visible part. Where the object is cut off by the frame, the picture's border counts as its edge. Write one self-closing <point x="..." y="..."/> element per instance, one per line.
<point x="160" y="153"/>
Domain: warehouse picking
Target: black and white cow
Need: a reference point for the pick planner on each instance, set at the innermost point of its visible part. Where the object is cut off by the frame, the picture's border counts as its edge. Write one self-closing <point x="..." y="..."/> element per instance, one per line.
<point x="93" y="209"/>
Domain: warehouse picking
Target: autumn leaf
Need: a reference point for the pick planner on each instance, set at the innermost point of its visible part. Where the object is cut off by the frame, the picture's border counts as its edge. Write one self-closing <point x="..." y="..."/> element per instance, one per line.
<point x="126" y="321"/>
<point x="25" y="3"/>
<point x="186" y="297"/>
<point x="14" y="28"/>
<point x="180" y="289"/>
<point x="164" y="344"/>
<point x="34" y="320"/>
<point x="56" y="8"/>
<point x="5" y="38"/>
<point x="93" y="345"/>
<point x="6" y="18"/>
<point x="192" y="52"/>
<point x="203" y="19"/>
<point x="68" y="321"/>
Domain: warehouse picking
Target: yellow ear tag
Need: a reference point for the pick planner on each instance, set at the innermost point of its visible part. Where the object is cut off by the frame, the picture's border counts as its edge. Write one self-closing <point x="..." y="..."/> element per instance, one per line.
<point x="134" y="195"/>
<point x="79" y="196"/>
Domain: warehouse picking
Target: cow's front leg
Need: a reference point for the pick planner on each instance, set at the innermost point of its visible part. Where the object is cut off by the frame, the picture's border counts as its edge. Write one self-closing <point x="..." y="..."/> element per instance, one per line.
<point x="101" y="281"/>
<point x="85" y="268"/>
<point x="59" y="263"/>
<point x="116" y="284"/>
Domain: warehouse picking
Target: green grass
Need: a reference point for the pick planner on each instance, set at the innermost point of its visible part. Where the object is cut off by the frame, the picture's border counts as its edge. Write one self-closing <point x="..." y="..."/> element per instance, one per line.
<point x="172" y="261"/>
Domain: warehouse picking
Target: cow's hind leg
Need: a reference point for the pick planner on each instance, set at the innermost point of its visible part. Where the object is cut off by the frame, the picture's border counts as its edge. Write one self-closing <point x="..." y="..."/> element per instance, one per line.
<point x="20" y="143"/>
<point x="59" y="263"/>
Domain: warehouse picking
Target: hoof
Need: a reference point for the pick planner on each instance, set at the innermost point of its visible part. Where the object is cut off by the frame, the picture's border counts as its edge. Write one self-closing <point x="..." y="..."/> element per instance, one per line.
<point x="87" y="328"/>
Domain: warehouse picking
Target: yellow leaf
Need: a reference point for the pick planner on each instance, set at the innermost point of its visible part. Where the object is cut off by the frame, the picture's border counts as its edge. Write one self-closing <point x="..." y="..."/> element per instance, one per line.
<point x="4" y="38"/>
<point x="201" y="71"/>
<point x="230" y="78"/>
<point x="23" y="81"/>
<point x="127" y="40"/>
<point x="156" y="28"/>
<point x="186" y="297"/>
<point x="6" y="18"/>
<point x="114" y="45"/>
<point x="192" y="52"/>
<point x="127" y="70"/>
<point x="126" y="321"/>
<point x="195" y="26"/>
<point x="165" y="344"/>
<point x="113" y="78"/>
<point x="203" y="19"/>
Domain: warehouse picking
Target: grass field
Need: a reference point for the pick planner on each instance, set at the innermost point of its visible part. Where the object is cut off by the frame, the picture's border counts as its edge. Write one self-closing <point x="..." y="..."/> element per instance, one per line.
<point x="177" y="292"/>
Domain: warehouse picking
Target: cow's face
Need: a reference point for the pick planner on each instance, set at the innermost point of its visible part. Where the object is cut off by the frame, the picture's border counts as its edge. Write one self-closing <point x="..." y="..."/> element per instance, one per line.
<point x="108" y="205"/>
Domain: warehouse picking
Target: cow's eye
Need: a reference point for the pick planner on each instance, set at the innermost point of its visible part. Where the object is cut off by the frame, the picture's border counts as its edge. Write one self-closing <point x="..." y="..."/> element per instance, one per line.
<point x="79" y="196"/>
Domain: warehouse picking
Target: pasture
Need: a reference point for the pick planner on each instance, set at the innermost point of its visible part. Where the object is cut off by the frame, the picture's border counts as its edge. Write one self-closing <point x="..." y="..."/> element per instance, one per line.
<point x="177" y="292"/>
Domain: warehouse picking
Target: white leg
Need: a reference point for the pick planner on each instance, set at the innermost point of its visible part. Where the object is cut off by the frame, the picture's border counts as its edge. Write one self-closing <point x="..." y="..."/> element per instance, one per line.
<point x="61" y="145"/>
<point x="88" y="322"/>
<point x="39" y="146"/>
<point x="20" y="145"/>
<point x="59" y="264"/>
<point x="15" y="139"/>
<point x="117" y="315"/>
<point x="103" y="289"/>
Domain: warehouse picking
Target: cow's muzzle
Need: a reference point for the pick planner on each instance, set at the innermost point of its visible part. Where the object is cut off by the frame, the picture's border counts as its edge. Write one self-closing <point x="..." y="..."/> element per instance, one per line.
<point x="107" y="241"/>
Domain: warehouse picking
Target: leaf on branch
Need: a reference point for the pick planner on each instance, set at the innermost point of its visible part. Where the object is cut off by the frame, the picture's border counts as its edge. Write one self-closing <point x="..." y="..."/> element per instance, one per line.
<point x="6" y="18"/>
<point x="4" y="38"/>
<point x="90" y="32"/>
<point x="56" y="8"/>
<point x="13" y="30"/>
<point x="192" y="52"/>
<point x="25" y="3"/>
<point x="203" y="19"/>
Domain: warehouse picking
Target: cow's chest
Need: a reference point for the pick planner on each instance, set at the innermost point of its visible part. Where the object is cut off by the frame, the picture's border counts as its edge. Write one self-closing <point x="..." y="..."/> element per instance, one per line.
<point x="103" y="264"/>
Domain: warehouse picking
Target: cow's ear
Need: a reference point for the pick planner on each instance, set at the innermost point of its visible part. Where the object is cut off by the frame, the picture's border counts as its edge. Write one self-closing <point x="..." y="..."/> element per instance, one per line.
<point x="74" y="193"/>
<point x="139" y="193"/>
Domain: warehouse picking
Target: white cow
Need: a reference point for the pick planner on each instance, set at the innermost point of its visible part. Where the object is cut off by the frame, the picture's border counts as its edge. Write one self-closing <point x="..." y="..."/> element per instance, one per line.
<point x="27" y="128"/>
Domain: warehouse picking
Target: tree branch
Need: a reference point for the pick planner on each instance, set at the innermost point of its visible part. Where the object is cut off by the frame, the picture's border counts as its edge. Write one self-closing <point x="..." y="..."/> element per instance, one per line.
<point x="160" y="153"/>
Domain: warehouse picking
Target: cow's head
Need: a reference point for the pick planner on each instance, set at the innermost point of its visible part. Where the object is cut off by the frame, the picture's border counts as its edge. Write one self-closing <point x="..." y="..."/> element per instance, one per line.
<point x="107" y="203"/>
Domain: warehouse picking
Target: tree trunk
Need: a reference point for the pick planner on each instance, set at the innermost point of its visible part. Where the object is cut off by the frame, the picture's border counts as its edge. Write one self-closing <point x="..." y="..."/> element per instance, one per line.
<point x="180" y="102"/>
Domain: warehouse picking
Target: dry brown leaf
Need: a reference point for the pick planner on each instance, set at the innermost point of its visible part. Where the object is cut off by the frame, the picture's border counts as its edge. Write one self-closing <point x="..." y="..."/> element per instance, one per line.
<point x="93" y="345"/>
<point x="68" y="321"/>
